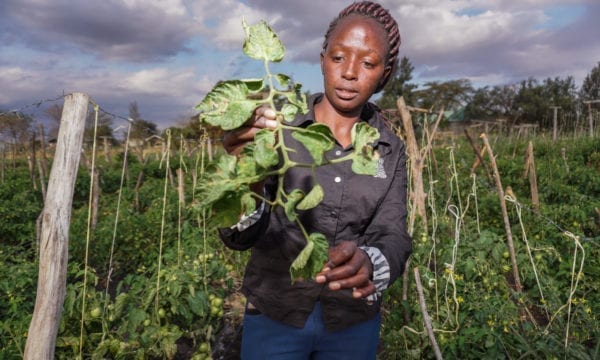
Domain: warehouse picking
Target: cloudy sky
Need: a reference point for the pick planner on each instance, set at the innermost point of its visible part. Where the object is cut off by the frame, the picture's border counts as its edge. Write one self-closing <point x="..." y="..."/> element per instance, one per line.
<point x="166" y="54"/>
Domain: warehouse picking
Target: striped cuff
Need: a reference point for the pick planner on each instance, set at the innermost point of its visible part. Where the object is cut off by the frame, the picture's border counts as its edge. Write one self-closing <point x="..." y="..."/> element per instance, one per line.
<point x="248" y="220"/>
<point x="381" y="271"/>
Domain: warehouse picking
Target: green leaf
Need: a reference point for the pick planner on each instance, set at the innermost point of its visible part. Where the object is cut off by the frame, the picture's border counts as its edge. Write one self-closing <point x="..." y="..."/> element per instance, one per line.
<point x="265" y="153"/>
<point x="311" y="259"/>
<point x="262" y="43"/>
<point x="226" y="105"/>
<point x="290" y="205"/>
<point x="317" y="139"/>
<point x="312" y="199"/>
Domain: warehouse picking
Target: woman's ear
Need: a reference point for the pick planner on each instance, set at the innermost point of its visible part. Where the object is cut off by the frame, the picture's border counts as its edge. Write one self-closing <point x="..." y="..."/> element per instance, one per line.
<point x="322" y="58"/>
<point x="387" y="72"/>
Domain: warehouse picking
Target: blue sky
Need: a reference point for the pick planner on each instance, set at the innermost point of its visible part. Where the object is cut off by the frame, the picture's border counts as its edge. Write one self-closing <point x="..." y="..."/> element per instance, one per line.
<point x="166" y="54"/>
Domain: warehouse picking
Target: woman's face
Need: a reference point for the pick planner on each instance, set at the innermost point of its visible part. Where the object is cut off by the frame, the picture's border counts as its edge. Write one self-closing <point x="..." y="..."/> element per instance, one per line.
<point x="353" y="63"/>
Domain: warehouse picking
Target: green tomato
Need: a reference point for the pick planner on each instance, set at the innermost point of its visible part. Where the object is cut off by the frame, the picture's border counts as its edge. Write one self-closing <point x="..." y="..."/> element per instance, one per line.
<point x="147" y="322"/>
<point x="96" y="312"/>
<point x="203" y="348"/>
<point x="162" y="313"/>
<point x="216" y="302"/>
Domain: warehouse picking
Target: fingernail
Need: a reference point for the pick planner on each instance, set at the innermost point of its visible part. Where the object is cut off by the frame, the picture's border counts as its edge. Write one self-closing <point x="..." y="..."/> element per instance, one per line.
<point x="270" y="113"/>
<point x="356" y="294"/>
<point x="325" y="269"/>
<point x="271" y="124"/>
<point x="335" y="286"/>
<point x="320" y="279"/>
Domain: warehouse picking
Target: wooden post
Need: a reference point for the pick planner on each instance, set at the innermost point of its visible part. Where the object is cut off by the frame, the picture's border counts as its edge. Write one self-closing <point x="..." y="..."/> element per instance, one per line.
<point x="530" y="170"/>
<point x="42" y="178"/>
<point x="56" y="217"/>
<point x="555" y="122"/>
<point x="43" y="148"/>
<point x="590" y="118"/>
<point x="418" y="193"/>
<point x="509" y="239"/>
<point x="3" y="161"/>
<point x="106" y="149"/>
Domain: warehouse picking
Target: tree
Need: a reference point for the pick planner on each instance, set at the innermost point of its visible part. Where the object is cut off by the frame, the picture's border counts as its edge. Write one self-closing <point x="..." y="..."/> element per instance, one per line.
<point x="140" y="128"/>
<point x="451" y="95"/>
<point x="15" y="127"/>
<point x="590" y="89"/>
<point x="492" y="103"/>
<point x="398" y="86"/>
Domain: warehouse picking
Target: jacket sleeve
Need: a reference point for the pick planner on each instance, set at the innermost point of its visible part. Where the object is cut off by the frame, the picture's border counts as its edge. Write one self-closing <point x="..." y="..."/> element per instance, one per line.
<point x="246" y="232"/>
<point x="387" y="230"/>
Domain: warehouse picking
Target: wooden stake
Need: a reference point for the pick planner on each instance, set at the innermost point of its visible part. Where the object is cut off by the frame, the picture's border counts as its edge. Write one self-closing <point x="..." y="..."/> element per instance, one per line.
<point x="51" y="286"/>
<point x="181" y="186"/>
<point x="509" y="238"/>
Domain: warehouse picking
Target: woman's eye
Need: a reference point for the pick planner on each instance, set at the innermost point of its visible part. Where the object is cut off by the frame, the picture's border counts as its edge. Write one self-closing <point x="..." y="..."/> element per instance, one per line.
<point x="336" y="58"/>
<point x="368" y="65"/>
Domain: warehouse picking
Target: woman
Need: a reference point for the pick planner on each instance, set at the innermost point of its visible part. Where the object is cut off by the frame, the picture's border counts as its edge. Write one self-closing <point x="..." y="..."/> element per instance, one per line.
<point x="337" y="314"/>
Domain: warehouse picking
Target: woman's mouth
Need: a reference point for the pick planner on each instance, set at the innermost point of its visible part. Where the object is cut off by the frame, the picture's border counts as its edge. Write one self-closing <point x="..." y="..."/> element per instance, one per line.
<point x="345" y="94"/>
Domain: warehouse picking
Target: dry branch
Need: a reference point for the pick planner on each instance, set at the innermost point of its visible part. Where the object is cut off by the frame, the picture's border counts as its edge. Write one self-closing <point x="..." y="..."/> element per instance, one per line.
<point x="426" y="318"/>
<point x="509" y="238"/>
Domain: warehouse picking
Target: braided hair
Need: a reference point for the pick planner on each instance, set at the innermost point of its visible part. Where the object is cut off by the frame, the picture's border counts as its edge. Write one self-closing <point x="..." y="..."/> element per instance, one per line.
<point x="382" y="16"/>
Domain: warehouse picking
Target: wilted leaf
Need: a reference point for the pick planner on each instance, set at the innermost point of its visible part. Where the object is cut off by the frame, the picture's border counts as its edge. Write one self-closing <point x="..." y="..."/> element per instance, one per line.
<point x="317" y="139"/>
<point x="312" y="199"/>
<point x="311" y="259"/>
<point x="290" y="205"/>
<point x="262" y="43"/>
<point x="283" y="80"/>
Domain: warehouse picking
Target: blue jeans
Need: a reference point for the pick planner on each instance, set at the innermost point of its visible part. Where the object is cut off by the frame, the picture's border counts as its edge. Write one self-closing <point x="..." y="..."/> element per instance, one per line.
<point x="266" y="339"/>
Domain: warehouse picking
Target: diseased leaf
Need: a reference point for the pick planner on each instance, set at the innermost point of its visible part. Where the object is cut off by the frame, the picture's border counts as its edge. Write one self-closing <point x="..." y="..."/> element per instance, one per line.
<point x="226" y="105"/>
<point x="362" y="134"/>
<point x="283" y="79"/>
<point x="254" y="85"/>
<point x="265" y="153"/>
<point x="290" y="204"/>
<point x="262" y="43"/>
<point x="365" y="160"/>
<point x="248" y="203"/>
<point x="311" y="259"/>
<point x="317" y="139"/>
<point x="312" y="199"/>
<point x="300" y="261"/>
<point x="289" y="111"/>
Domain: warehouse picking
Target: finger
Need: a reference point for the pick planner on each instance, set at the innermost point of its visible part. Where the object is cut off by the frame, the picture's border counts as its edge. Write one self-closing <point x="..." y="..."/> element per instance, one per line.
<point x="341" y="253"/>
<point x="358" y="279"/>
<point x="264" y="122"/>
<point x="235" y="140"/>
<point x="364" y="291"/>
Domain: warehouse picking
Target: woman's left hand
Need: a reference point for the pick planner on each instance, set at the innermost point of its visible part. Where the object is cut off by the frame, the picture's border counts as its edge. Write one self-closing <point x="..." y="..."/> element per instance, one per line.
<point x="348" y="268"/>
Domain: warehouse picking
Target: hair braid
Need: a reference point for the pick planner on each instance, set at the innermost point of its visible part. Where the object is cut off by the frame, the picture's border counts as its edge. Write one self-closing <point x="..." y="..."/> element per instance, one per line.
<point x="382" y="16"/>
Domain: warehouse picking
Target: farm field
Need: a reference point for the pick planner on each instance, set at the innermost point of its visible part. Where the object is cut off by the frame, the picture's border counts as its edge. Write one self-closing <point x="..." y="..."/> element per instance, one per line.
<point x="148" y="277"/>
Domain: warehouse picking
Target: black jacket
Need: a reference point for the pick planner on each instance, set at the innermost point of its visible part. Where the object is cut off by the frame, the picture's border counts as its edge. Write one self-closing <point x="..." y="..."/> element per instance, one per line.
<point x="370" y="210"/>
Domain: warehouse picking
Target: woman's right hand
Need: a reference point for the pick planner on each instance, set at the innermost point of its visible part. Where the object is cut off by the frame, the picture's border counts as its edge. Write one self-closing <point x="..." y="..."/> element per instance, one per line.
<point x="235" y="140"/>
